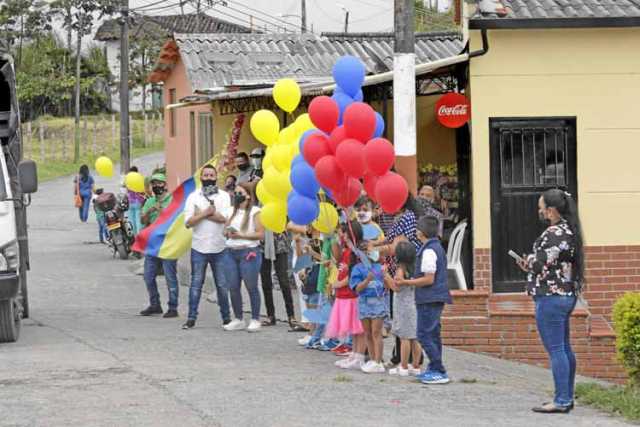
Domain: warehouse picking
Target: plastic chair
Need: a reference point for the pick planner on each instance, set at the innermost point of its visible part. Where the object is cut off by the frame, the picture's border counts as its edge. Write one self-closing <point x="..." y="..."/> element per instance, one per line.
<point x="454" y="264"/>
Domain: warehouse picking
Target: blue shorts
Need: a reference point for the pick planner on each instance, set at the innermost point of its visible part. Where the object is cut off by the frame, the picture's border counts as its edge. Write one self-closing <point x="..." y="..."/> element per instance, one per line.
<point x="371" y="308"/>
<point x="312" y="299"/>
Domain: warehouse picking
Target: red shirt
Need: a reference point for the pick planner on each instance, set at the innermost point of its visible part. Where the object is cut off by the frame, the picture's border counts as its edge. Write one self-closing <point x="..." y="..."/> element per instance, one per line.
<point x="343" y="273"/>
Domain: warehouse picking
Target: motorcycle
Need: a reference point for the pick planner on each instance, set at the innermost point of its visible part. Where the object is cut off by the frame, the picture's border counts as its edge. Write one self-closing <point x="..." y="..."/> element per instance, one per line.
<point x="120" y="230"/>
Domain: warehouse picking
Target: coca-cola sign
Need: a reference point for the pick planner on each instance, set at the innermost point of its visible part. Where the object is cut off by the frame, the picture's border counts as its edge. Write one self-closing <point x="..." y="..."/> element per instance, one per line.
<point x="453" y="110"/>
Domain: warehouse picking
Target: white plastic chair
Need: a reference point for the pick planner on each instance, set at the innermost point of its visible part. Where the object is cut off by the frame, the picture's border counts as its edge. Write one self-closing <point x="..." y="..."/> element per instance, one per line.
<point x="454" y="264"/>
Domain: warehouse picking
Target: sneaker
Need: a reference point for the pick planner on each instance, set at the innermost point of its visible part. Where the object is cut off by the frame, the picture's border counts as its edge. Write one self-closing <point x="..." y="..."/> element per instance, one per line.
<point x="354" y="362"/>
<point x="254" y="326"/>
<point x="341" y="350"/>
<point x="399" y="371"/>
<point x="328" y="345"/>
<point x="170" y="314"/>
<point x="342" y="362"/>
<point x="189" y="324"/>
<point x="373" y="367"/>
<point x="304" y="340"/>
<point x="151" y="310"/>
<point x="313" y="344"/>
<point x="225" y="322"/>
<point x="235" y="325"/>
<point x="414" y="371"/>
<point x="434" y="377"/>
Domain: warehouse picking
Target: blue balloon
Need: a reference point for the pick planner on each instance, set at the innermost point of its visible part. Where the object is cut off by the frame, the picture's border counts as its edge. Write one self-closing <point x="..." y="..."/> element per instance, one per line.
<point x="358" y="98"/>
<point x="348" y="72"/>
<point x="343" y="102"/>
<point x="297" y="160"/>
<point x="306" y="135"/>
<point x="302" y="210"/>
<point x="303" y="179"/>
<point x="379" y="126"/>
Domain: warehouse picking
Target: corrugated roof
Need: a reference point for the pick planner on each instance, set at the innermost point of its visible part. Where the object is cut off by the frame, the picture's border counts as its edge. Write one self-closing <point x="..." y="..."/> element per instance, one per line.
<point x="558" y="9"/>
<point x="169" y="24"/>
<point x="223" y="60"/>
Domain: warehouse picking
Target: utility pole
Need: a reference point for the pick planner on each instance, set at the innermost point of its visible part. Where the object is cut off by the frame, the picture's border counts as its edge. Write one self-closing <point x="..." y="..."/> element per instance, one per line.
<point x="346" y="21"/>
<point x="124" y="89"/>
<point x="404" y="93"/>
<point x="303" y="15"/>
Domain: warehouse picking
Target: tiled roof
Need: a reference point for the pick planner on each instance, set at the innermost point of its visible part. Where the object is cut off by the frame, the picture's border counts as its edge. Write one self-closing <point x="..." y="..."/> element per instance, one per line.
<point x="222" y="60"/>
<point x="556" y="9"/>
<point x="169" y="24"/>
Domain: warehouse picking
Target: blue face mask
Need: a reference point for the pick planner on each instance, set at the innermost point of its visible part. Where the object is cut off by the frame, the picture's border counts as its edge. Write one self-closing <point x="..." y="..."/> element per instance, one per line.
<point x="374" y="256"/>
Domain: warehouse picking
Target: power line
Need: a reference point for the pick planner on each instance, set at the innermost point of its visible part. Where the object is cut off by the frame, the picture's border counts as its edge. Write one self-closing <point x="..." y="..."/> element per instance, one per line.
<point x="242" y="20"/>
<point x="145" y="6"/>
<point x="257" y="11"/>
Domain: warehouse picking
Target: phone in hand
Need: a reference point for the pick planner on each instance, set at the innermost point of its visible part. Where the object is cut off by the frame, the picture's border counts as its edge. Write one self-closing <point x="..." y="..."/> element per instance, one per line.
<point x="515" y="256"/>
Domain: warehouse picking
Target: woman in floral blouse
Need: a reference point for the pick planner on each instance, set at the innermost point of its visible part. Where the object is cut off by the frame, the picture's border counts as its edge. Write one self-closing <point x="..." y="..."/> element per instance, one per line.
<point x="555" y="276"/>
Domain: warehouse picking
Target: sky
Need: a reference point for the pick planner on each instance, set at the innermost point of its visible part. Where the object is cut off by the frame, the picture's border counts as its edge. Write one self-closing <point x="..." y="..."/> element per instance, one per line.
<point x="322" y="15"/>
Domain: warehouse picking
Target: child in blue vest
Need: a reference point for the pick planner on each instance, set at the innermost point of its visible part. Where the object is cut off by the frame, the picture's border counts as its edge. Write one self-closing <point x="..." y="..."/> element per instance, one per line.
<point x="432" y="293"/>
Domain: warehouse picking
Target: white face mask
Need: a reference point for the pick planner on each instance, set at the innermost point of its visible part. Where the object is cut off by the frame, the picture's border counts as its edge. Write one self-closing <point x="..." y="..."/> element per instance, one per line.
<point x="374" y="256"/>
<point x="364" y="217"/>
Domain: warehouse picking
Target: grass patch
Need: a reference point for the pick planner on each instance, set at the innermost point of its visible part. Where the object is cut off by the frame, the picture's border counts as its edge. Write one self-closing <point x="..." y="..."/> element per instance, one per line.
<point x="618" y="400"/>
<point x="341" y="378"/>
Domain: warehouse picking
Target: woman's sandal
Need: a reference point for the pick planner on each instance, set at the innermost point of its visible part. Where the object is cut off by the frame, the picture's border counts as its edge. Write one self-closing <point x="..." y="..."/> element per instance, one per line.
<point x="294" y="326"/>
<point x="551" y="408"/>
<point x="271" y="321"/>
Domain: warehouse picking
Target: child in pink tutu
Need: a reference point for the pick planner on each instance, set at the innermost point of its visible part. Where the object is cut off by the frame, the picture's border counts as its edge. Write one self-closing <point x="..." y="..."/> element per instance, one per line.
<point x="344" y="321"/>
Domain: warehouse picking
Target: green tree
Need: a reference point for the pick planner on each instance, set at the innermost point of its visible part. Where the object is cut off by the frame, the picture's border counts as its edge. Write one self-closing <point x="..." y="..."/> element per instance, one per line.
<point x="145" y="47"/>
<point x="429" y="18"/>
<point x="22" y="21"/>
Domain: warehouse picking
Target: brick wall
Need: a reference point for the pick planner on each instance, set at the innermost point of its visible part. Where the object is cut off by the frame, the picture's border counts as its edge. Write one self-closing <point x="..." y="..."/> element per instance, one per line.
<point x="610" y="272"/>
<point x="482" y="269"/>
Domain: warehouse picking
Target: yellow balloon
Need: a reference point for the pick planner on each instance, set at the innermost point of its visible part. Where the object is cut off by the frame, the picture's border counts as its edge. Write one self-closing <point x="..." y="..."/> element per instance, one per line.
<point x="303" y="123"/>
<point x="267" y="161"/>
<point x="277" y="183"/>
<point x="263" y="195"/>
<point x="287" y="136"/>
<point x="104" y="166"/>
<point x="286" y="93"/>
<point x="274" y="216"/>
<point x="281" y="157"/>
<point x="265" y="126"/>
<point x="134" y="181"/>
<point x="327" y="219"/>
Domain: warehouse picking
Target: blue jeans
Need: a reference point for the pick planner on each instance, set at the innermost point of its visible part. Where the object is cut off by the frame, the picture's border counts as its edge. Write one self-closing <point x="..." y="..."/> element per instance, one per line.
<point x="428" y="333"/>
<point x="84" y="209"/>
<point x="103" y="234"/>
<point x="199" y="262"/>
<point x="151" y="267"/>
<point x="244" y="265"/>
<point x="553" y="314"/>
<point x="134" y="218"/>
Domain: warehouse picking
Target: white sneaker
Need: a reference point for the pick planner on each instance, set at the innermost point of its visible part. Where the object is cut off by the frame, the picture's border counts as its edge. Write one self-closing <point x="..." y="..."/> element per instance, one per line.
<point x="355" y="363"/>
<point x="254" y="326"/>
<point x="372" y="367"/>
<point x="342" y="363"/>
<point x="399" y="371"/>
<point x="414" y="371"/>
<point x="235" y="325"/>
<point x="304" y="340"/>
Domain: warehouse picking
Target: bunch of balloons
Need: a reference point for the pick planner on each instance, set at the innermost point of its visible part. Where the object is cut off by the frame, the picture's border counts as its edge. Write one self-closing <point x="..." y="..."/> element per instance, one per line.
<point x="347" y="150"/>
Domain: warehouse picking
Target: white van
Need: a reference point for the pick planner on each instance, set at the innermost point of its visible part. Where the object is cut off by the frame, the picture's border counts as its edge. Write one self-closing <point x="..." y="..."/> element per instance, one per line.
<point x="18" y="179"/>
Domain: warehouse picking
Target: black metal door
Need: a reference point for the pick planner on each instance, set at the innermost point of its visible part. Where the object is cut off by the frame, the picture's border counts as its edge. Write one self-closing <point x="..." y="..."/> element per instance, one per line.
<point x="528" y="156"/>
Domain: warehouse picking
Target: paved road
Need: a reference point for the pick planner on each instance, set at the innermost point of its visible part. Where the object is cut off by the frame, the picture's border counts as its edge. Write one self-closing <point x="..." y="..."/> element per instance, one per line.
<point x="86" y="359"/>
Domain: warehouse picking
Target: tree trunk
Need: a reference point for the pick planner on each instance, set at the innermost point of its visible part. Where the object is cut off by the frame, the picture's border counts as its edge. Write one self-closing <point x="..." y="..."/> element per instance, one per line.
<point x="76" y="147"/>
<point x="67" y="56"/>
<point x="21" y="37"/>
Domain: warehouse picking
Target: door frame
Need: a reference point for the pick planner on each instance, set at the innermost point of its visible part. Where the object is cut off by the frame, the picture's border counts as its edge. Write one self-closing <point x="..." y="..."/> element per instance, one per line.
<point x="495" y="178"/>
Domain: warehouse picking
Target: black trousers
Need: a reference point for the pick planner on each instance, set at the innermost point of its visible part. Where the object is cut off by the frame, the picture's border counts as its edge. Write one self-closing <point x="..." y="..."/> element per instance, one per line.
<point x="282" y="266"/>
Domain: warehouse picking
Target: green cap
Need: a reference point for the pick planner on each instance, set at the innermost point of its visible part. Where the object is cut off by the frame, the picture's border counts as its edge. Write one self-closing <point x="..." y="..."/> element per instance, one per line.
<point x="159" y="177"/>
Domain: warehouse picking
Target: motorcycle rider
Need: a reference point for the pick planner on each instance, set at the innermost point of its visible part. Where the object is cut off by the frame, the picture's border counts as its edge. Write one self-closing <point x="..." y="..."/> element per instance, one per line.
<point x="150" y="212"/>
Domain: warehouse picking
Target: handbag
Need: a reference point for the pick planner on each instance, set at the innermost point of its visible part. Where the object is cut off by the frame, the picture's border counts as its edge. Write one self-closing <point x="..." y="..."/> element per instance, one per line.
<point x="77" y="200"/>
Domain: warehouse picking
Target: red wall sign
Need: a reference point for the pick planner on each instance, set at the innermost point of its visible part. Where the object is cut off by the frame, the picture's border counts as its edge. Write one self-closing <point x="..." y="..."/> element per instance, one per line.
<point x="453" y="110"/>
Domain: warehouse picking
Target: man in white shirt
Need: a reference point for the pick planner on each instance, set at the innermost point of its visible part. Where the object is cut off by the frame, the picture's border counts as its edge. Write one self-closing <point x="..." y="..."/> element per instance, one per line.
<point x="203" y="214"/>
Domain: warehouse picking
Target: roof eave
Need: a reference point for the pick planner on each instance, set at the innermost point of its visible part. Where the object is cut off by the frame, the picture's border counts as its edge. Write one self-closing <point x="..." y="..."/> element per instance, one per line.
<point x="530" y="23"/>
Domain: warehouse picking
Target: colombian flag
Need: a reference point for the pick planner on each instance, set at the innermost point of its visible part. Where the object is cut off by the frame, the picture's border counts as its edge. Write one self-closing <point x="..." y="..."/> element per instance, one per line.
<point x="167" y="237"/>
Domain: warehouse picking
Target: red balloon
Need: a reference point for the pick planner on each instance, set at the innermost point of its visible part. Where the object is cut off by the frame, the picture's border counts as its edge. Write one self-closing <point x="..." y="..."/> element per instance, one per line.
<point x="329" y="173"/>
<point x="370" y="182"/>
<point x="379" y="156"/>
<point x="391" y="191"/>
<point x="315" y="148"/>
<point x="350" y="157"/>
<point x="337" y="136"/>
<point x="324" y="113"/>
<point x="359" y="121"/>
<point x="349" y="194"/>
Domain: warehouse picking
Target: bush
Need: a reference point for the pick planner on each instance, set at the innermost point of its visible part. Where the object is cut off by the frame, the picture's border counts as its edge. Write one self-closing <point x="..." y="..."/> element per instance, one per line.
<point x="626" y="322"/>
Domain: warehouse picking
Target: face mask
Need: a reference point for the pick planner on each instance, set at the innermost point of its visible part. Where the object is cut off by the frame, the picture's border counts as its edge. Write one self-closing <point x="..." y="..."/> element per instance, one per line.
<point x="374" y="256"/>
<point x="243" y="167"/>
<point x="238" y="199"/>
<point x="256" y="163"/>
<point x="209" y="187"/>
<point x="157" y="190"/>
<point x="230" y="187"/>
<point x="544" y="221"/>
<point x="364" y="217"/>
